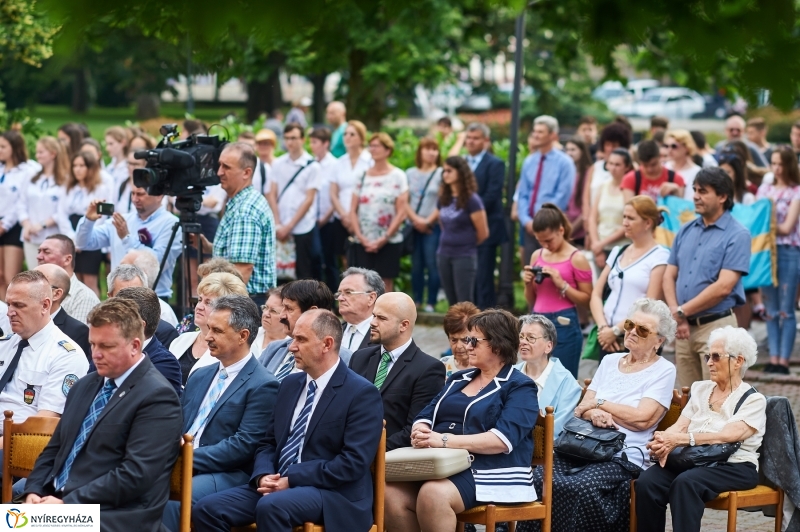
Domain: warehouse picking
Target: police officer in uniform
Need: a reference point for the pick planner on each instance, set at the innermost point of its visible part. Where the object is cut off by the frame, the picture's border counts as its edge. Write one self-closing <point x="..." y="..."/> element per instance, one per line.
<point x="38" y="363"/>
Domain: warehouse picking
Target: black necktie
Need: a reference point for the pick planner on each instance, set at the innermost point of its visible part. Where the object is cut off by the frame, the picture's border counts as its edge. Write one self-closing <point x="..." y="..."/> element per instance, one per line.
<point x="13" y="365"/>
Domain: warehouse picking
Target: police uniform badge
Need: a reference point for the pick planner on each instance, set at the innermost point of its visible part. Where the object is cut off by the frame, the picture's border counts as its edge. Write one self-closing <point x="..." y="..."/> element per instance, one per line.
<point x="29" y="395"/>
<point x="66" y="345"/>
<point x="69" y="380"/>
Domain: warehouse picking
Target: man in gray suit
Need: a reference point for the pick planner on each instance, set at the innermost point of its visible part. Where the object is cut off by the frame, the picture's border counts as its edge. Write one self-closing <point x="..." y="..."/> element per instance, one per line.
<point x="118" y="437"/>
<point x="226" y="406"/>
<point x="298" y="297"/>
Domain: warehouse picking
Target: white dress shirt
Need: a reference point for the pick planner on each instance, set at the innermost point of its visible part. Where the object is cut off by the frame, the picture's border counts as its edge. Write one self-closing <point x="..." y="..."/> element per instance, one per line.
<point x="324" y="204"/>
<point x="353" y="338"/>
<point x="233" y="371"/>
<point x="322" y="383"/>
<point x="395" y="354"/>
<point x="292" y="196"/>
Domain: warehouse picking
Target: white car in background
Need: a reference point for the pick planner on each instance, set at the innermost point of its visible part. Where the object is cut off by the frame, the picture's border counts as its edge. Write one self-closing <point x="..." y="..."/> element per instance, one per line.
<point x="670" y="102"/>
<point x="615" y="94"/>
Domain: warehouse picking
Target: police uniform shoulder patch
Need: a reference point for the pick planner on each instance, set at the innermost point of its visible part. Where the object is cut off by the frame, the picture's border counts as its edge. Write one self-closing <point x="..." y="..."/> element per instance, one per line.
<point x="69" y="380"/>
<point x="66" y="345"/>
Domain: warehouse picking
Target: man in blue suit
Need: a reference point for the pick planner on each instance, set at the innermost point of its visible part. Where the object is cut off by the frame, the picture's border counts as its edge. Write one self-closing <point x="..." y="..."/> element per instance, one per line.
<point x="313" y="465"/>
<point x="150" y="309"/>
<point x="490" y="173"/>
<point x="226" y="406"/>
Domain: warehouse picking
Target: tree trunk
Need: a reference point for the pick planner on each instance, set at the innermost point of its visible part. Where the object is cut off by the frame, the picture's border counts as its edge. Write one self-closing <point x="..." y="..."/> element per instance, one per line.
<point x="367" y="103"/>
<point x="257" y="97"/>
<point x="263" y="97"/>
<point x="318" y="111"/>
<point x="80" y="91"/>
<point x="148" y="105"/>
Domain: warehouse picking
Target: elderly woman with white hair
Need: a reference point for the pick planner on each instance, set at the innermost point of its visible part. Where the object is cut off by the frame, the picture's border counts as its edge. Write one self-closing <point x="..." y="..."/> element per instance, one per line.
<point x="724" y="409"/>
<point x="630" y="392"/>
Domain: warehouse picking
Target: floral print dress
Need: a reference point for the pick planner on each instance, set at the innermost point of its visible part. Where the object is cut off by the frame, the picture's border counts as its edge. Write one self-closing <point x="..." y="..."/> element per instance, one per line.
<point x="376" y="203"/>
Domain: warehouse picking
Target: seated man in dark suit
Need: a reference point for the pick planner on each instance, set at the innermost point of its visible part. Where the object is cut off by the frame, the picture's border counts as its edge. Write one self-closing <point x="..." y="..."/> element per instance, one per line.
<point x="407" y="377"/>
<point x="298" y="297"/>
<point x="77" y="331"/>
<point x="105" y="450"/>
<point x="226" y="406"/>
<point x="150" y="310"/>
<point x="357" y="293"/>
<point x="314" y="463"/>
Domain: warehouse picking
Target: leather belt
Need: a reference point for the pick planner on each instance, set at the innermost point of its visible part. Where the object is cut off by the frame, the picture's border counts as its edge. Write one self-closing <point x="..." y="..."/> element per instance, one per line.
<point x="708" y="318"/>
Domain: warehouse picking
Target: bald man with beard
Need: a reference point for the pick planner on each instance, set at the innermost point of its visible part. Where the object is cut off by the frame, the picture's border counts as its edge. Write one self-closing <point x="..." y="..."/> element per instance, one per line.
<point x="407" y="378"/>
<point x="77" y="331"/>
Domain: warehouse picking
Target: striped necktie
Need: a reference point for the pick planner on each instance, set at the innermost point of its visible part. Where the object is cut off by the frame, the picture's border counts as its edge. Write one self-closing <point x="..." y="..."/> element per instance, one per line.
<point x="383" y="369"/>
<point x="291" y="451"/>
<point x="100" y="401"/>
<point x="286" y="368"/>
<point x="210" y="400"/>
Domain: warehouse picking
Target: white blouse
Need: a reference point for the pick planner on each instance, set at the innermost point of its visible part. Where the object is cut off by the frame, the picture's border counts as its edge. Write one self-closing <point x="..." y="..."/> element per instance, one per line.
<point x="752" y="412"/>
<point x="347" y="176"/>
<point x="38" y="203"/>
<point x="118" y="170"/>
<point x="11" y="184"/>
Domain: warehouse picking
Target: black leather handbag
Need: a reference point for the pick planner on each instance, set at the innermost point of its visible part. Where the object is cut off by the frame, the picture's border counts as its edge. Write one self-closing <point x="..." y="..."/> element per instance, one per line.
<point x="684" y="458"/>
<point x="583" y="442"/>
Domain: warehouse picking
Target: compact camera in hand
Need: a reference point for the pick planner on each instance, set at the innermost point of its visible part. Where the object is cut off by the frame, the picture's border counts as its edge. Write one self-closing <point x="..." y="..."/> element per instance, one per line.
<point x="538" y="274"/>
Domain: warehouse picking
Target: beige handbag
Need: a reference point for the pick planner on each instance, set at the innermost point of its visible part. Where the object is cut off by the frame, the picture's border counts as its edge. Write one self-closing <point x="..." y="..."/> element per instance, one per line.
<point x="408" y="464"/>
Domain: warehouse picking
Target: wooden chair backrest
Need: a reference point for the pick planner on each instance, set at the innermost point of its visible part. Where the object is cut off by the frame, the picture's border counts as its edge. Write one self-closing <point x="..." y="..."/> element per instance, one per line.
<point x="379" y="482"/>
<point x="677" y="405"/>
<point x="180" y="482"/>
<point x="22" y="445"/>
<point x="543" y="438"/>
<point x="586" y="383"/>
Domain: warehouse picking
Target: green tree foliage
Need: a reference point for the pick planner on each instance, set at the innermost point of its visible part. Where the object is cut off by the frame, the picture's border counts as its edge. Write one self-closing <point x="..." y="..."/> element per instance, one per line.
<point x="25" y="34"/>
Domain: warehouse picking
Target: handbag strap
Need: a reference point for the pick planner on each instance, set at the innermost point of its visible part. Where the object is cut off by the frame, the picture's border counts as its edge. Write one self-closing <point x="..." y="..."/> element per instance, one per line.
<point x="746" y="394"/>
<point x="361" y="188"/>
<point x="308" y="163"/>
<point x="424" y="189"/>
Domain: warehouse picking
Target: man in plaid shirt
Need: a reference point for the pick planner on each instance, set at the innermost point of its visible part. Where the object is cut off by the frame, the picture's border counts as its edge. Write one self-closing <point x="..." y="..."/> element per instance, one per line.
<point x="246" y="233"/>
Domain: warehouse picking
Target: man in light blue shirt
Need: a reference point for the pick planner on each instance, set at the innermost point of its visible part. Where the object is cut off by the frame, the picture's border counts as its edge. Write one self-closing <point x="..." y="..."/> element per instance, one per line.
<point x="149" y="226"/>
<point x="548" y="176"/>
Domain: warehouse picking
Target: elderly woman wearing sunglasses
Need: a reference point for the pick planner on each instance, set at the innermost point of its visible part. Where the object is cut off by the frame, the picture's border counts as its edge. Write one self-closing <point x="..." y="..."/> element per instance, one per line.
<point x="555" y="384"/>
<point x="631" y="393"/>
<point x="490" y="410"/>
<point x="708" y="418"/>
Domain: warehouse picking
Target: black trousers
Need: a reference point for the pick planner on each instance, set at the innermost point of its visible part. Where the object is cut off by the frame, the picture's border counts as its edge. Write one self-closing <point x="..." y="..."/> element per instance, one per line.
<point x="330" y="254"/>
<point x="308" y="263"/>
<point x="485" y="295"/>
<point x="686" y="493"/>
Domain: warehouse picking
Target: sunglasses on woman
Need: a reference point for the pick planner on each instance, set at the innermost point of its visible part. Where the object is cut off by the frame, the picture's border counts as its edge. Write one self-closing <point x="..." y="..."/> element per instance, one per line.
<point x="715" y="357"/>
<point x="641" y="330"/>
<point x="472" y="341"/>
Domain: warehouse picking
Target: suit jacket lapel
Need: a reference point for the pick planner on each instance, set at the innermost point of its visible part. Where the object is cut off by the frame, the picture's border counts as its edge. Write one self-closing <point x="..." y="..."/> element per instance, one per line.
<point x="399" y="365"/>
<point x="283" y="416"/>
<point x="238" y="382"/>
<point x="82" y="405"/>
<point x="193" y="404"/>
<point x="327" y="396"/>
<point x="123" y="390"/>
<point x="372" y="365"/>
<point x="60" y="318"/>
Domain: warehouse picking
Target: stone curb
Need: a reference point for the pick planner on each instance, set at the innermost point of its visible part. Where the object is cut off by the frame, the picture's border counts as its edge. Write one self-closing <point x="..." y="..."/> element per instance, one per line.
<point x="760" y="376"/>
<point x="433" y="319"/>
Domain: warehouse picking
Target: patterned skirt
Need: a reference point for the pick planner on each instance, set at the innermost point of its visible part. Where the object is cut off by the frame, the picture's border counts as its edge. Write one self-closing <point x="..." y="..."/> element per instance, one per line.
<point x="596" y="499"/>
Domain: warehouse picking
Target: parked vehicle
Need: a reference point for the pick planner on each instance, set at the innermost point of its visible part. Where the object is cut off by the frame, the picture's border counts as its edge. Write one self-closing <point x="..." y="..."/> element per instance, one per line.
<point x="615" y="94"/>
<point x="670" y="102"/>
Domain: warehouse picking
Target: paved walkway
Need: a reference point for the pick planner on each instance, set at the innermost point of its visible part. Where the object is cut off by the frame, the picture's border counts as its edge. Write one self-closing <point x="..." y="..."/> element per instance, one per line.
<point x="431" y="339"/>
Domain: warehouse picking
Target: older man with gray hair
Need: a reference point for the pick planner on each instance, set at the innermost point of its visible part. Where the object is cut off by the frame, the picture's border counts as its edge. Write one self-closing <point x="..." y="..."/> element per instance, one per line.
<point x="548" y="176"/>
<point x="358" y="291"/>
<point x="146" y="260"/>
<point x="490" y="174"/>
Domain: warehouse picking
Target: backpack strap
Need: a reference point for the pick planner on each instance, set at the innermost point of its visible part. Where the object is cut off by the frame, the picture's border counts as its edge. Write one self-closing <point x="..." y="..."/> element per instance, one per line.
<point x="638" y="185"/>
<point x="747" y="394"/>
<point x="309" y="163"/>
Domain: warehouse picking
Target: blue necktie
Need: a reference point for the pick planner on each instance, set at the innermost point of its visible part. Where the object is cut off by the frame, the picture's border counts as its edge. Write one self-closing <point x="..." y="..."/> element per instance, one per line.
<point x="290" y="451"/>
<point x="100" y="401"/>
<point x="210" y="400"/>
<point x="285" y="369"/>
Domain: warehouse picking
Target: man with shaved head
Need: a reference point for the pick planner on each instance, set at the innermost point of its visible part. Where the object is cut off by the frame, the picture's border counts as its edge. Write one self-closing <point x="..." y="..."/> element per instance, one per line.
<point x="336" y="116"/>
<point x="38" y="363"/>
<point x="407" y="377"/>
<point x="60" y="284"/>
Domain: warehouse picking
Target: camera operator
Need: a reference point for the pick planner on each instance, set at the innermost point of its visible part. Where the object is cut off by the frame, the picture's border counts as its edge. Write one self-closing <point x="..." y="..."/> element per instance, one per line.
<point x="246" y="233"/>
<point x="149" y="226"/>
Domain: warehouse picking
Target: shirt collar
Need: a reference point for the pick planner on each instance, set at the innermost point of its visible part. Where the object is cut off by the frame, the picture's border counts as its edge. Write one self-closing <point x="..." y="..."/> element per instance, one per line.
<point x="150" y="218"/>
<point x="329" y="158"/>
<point x="38" y="339"/>
<point x="54" y="314"/>
<point x="300" y="161"/>
<point x="542" y="379"/>
<point x="146" y="343"/>
<point x="362" y="327"/>
<point x="477" y="158"/>
<point x="397" y="352"/>
<point x="234" y="369"/>
<point x="119" y="380"/>
<point x="324" y="379"/>
<point x="722" y="222"/>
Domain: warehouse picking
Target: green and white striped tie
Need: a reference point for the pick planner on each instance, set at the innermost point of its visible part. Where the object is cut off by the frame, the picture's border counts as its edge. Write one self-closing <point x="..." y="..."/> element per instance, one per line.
<point x="383" y="369"/>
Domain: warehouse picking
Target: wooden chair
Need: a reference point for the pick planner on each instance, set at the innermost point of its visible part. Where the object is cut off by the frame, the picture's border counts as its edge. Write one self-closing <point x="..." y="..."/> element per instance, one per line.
<point x="22" y="445"/>
<point x="586" y="383"/>
<point x="180" y="483"/>
<point x="759" y="496"/>
<point x="490" y="514"/>
<point x="378" y="499"/>
<point x="679" y="401"/>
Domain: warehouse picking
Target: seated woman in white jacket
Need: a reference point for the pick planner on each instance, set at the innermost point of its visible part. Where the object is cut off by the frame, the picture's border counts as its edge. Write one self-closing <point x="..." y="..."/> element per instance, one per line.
<point x="190" y="348"/>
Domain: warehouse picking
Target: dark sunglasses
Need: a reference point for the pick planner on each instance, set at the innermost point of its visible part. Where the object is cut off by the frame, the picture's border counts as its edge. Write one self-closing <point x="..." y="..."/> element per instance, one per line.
<point x="472" y="341"/>
<point x="715" y="357"/>
<point x="641" y="330"/>
<point x="673" y="146"/>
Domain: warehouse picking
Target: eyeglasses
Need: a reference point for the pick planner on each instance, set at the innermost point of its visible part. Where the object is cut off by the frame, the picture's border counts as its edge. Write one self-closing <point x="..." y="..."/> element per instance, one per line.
<point x="292" y="138"/>
<point x="673" y="146"/>
<point x="531" y="339"/>
<point x="716" y="357"/>
<point x="472" y="341"/>
<point x="641" y="330"/>
<point x="274" y="312"/>
<point x="350" y="293"/>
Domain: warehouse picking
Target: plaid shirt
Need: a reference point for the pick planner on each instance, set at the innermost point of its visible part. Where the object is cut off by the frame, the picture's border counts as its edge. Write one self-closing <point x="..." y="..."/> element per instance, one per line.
<point x="80" y="300"/>
<point x="246" y="234"/>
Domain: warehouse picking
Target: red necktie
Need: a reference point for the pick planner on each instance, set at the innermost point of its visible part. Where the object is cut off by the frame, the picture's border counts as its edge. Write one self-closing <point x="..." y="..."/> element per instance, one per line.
<point x="536" y="184"/>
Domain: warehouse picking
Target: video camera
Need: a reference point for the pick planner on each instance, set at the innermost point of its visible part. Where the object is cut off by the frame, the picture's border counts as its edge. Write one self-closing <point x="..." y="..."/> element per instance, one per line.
<point x="179" y="168"/>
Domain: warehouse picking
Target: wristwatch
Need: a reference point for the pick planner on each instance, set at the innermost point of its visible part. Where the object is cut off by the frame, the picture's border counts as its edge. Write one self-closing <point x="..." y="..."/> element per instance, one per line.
<point x="600" y="403"/>
<point x="691" y="440"/>
<point x="679" y="312"/>
<point x="444" y="440"/>
<point x="616" y="331"/>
